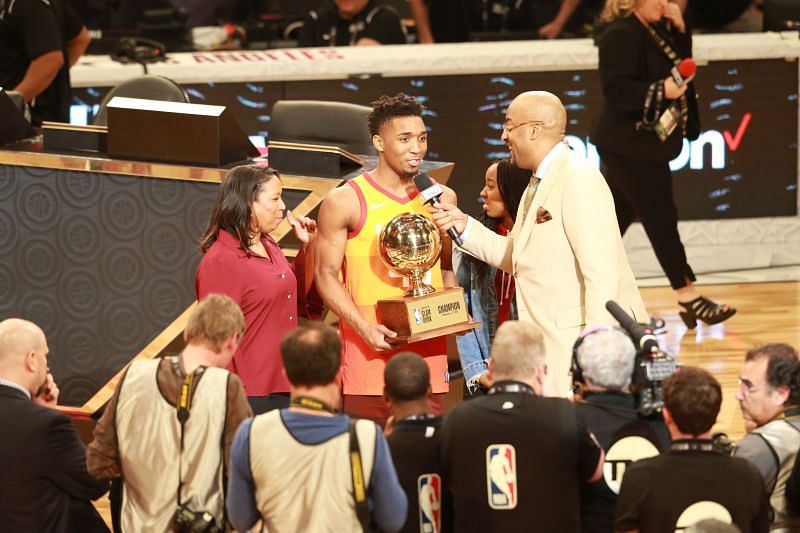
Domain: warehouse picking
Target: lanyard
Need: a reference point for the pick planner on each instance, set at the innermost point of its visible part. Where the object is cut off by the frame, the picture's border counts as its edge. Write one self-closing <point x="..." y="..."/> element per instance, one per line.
<point x="510" y="386"/>
<point x="184" y="406"/>
<point x="692" y="445"/>
<point x="413" y="418"/>
<point x="306" y="402"/>
<point x="653" y="115"/>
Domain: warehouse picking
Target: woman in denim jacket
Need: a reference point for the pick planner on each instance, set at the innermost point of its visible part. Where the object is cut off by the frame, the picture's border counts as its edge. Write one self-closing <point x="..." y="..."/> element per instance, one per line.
<point x="489" y="291"/>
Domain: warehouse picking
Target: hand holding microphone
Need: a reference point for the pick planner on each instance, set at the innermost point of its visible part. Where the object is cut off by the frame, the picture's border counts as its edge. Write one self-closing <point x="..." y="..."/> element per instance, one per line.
<point x="680" y="76"/>
<point x="447" y="217"/>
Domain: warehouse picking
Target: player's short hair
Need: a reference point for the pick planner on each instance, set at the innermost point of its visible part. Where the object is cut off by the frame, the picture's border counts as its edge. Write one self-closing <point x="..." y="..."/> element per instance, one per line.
<point x="386" y="108"/>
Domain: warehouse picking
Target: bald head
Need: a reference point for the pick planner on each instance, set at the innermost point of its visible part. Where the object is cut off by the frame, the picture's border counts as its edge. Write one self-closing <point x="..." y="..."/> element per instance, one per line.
<point x="23" y="353"/>
<point x="536" y="121"/>
<point x="545" y="107"/>
<point x="17" y="338"/>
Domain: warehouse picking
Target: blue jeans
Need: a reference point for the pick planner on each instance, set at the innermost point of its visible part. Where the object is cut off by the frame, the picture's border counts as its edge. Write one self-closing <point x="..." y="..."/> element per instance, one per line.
<point x="474" y="347"/>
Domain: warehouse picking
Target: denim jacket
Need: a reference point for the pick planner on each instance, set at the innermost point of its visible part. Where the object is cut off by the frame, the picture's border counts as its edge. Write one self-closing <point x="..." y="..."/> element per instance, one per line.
<point x="474" y="347"/>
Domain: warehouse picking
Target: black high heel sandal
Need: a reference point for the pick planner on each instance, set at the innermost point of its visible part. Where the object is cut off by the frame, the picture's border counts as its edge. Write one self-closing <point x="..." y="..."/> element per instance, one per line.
<point x="705" y="310"/>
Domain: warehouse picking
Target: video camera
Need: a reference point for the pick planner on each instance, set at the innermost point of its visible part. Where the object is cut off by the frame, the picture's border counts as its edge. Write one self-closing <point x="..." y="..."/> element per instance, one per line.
<point x="651" y="367"/>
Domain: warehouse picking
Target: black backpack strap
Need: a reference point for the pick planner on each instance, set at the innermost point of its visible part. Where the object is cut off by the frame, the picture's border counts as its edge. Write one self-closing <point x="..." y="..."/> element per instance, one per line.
<point x="359" y="483"/>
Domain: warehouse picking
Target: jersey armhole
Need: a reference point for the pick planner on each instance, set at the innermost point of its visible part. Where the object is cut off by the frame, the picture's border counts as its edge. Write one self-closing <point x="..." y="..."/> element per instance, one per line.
<point x="362" y="205"/>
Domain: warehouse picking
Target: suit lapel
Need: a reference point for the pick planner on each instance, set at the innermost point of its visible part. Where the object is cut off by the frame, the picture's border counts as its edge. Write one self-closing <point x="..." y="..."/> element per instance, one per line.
<point x="523" y="235"/>
<point x="551" y="177"/>
<point x="548" y="182"/>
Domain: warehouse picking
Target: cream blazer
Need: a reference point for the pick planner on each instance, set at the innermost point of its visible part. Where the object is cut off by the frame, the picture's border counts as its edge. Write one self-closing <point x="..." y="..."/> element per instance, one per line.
<point x="565" y="268"/>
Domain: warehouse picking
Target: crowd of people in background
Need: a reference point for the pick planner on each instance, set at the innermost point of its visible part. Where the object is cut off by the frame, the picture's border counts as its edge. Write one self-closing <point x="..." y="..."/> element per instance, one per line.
<point x="42" y="39"/>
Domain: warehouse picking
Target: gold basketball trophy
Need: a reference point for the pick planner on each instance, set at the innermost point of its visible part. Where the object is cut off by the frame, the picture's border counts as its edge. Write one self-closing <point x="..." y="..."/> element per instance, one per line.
<point x="409" y="246"/>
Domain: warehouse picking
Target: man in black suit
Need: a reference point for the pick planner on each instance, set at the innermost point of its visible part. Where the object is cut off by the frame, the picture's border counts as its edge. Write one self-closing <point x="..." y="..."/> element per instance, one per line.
<point x="45" y="485"/>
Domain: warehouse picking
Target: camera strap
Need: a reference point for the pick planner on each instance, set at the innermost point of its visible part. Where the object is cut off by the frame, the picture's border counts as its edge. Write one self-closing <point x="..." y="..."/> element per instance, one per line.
<point x="183" y="407"/>
<point x="359" y="483"/>
<point x="307" y="402"/>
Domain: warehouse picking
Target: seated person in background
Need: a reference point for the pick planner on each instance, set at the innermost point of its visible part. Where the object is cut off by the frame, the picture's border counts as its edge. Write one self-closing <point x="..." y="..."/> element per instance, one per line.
<point x="574" y="16"/>
<point x="352" y="22"/>
<point x="445" y="21"/>
<point x="721" y="16"/>
<point x="489" y="291"/>
<point x="769" y="396"/>
<point x="602" y="366"/>
<point x="292" y="468"/>
<point x="163" y="450"/>
<point x="691" y="481"/>
<point x="513" y="460"/>
<point x="413" y="437"/>
<point x="44" y="485"/>
<point x="39" y="41"/>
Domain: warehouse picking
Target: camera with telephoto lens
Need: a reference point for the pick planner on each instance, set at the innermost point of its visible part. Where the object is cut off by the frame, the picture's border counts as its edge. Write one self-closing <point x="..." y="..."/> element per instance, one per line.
<point x="186" y="520"/>
<point x="651" y="367"/>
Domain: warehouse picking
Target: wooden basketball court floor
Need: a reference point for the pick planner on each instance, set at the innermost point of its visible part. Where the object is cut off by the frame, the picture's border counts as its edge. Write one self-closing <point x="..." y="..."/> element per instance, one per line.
<point x="766" y="312"/>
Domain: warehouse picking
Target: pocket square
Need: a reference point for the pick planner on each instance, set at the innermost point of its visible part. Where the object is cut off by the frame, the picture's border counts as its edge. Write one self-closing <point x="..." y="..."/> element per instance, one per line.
<point x="543" y="215"/>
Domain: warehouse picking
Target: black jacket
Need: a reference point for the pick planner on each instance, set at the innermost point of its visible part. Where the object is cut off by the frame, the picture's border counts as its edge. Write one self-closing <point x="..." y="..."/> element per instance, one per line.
<point x="630" y="60"/>
<point x="44" y="484"/>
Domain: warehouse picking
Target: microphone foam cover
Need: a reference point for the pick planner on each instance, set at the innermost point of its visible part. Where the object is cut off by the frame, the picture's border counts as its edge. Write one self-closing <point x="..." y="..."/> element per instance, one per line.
<point x="687" y="67"/>
<point x="422" y="181"/>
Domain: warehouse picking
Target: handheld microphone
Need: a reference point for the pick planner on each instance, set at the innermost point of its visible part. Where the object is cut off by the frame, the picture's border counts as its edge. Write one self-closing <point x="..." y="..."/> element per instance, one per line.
<point x="684" y="72"/>
<point x="642" y="335"/>
<point x="431" y="192"/>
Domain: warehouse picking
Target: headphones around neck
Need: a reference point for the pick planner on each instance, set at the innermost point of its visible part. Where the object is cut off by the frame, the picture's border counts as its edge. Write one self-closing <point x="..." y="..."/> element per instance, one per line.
<point x="139" y="50"/>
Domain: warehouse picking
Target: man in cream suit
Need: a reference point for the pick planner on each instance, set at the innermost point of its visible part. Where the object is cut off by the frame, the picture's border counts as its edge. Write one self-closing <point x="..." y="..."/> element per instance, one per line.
<point x="565" y="250"/>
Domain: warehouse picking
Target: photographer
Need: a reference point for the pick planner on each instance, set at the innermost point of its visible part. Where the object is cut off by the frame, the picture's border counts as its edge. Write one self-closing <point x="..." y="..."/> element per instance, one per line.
<point x="769" y="396"/>
<point x="691" y="481"/>
<point x="168" y="429"/>
<point x="309" y="468"/>
<point x="602" y="365"/>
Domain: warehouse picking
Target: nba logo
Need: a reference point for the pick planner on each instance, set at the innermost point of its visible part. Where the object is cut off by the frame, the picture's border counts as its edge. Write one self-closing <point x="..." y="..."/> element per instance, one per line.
<point x="429" y="493"/>
<point x="501" y="476"/>
<point x="417" y="315"/>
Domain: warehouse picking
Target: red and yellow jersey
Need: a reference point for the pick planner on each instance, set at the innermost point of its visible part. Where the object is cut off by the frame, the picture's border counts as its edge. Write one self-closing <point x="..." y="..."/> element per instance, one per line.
<point x="368" y="280"/>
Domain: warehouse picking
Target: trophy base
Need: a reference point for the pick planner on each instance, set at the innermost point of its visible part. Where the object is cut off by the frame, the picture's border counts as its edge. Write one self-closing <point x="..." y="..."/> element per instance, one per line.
<point x="439" y="313"/>
<point x="449" y="330"/>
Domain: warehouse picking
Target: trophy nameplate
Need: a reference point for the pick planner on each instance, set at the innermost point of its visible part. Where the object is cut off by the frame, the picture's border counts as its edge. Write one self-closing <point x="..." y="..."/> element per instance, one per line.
<point x="410" y="245"/>
<point x="417" y="318"/>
